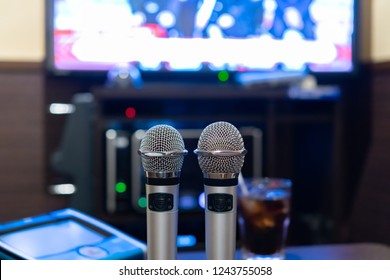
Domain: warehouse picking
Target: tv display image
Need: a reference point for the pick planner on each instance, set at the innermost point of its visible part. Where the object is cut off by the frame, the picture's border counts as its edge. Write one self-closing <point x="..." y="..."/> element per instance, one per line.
<point x="201" y="35"/>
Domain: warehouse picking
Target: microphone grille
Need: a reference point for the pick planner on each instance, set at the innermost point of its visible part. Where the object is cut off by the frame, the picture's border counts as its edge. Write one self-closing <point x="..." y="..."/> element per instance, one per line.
<point x="162" y="138"/>
<point x="221" y="136"/>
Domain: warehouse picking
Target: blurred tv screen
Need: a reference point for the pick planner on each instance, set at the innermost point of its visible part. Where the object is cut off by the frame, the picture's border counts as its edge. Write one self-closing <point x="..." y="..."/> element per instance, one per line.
<point x="201" y="35"/>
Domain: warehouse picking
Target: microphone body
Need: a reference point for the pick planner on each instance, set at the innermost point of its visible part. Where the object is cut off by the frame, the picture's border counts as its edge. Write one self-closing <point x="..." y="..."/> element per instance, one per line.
<point x="221" y="156"/>
<point x="162" y="154"/>
<point x="220" y="218"/>
<point x="161" y="220"/>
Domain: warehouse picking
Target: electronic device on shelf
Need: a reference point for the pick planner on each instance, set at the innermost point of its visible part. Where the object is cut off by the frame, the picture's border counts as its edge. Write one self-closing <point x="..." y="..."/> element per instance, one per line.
<point x="66" y="234"/>
<point x="195" y="38"/>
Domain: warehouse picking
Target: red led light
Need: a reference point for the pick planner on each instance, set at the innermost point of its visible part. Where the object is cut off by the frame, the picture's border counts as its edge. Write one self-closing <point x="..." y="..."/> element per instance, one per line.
<point x="130" y="113"/>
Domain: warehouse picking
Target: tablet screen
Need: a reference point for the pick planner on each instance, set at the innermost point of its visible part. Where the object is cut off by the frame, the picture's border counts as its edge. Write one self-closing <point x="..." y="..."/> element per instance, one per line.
<point x="52" y="238"/>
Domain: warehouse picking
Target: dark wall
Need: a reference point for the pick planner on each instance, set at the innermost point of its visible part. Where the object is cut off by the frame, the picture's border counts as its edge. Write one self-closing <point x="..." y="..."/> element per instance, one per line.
<point x="22" y="191"/>
<point x="370" y="214"/>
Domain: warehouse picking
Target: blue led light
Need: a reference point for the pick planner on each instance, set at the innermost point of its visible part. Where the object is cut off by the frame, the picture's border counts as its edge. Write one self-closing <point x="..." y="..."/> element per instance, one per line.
<point x="201" y="200"/>
<point x="186" y="241"/>
<point x="187" y="202"/>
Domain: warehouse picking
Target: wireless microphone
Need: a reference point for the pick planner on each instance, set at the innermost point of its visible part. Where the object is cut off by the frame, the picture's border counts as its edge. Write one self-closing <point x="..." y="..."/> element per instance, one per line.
<point x="221" y="155"/>
<point x="162" y="153"/>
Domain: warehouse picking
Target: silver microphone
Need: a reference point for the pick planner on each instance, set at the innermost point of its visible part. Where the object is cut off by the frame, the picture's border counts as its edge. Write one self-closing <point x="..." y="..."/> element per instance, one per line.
<point x="221" y="155"/>
<point x="162" y="153"/>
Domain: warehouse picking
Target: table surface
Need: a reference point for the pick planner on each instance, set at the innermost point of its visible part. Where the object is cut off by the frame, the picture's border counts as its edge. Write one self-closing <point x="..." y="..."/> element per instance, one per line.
<point x="353" y="251"/>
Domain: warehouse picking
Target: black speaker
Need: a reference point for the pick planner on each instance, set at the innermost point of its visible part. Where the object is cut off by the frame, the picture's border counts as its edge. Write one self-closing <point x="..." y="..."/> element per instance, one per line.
<point x="75" y="154"/>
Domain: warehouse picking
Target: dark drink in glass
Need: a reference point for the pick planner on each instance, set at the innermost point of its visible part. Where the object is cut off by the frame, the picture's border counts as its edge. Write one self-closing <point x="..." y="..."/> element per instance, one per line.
<point x="263" y="213"/>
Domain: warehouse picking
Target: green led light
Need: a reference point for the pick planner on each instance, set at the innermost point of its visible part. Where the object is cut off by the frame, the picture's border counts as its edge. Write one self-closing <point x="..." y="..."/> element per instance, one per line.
<point x="142" y="202"/>
<point x="223" y="76"/>
<point x="120" y="187"/>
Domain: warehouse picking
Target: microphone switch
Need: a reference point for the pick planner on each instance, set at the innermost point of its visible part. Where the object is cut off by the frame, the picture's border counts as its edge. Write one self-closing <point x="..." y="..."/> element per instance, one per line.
<point x="160" y="202"/>
<point x="220" y="202"/>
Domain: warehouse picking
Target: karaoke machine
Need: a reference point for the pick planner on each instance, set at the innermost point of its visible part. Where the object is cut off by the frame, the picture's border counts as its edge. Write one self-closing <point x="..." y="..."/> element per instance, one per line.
<point x="125" y="178"/>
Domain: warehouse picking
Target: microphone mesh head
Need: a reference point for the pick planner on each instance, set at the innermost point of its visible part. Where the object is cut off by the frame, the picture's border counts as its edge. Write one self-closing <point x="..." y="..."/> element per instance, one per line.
<point x="162" y="138"/>
<point x="221" y="136"/>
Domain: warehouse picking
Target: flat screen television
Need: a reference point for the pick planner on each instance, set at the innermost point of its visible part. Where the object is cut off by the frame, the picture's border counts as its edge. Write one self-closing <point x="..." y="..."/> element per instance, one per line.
<point x="201" y="36"/>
